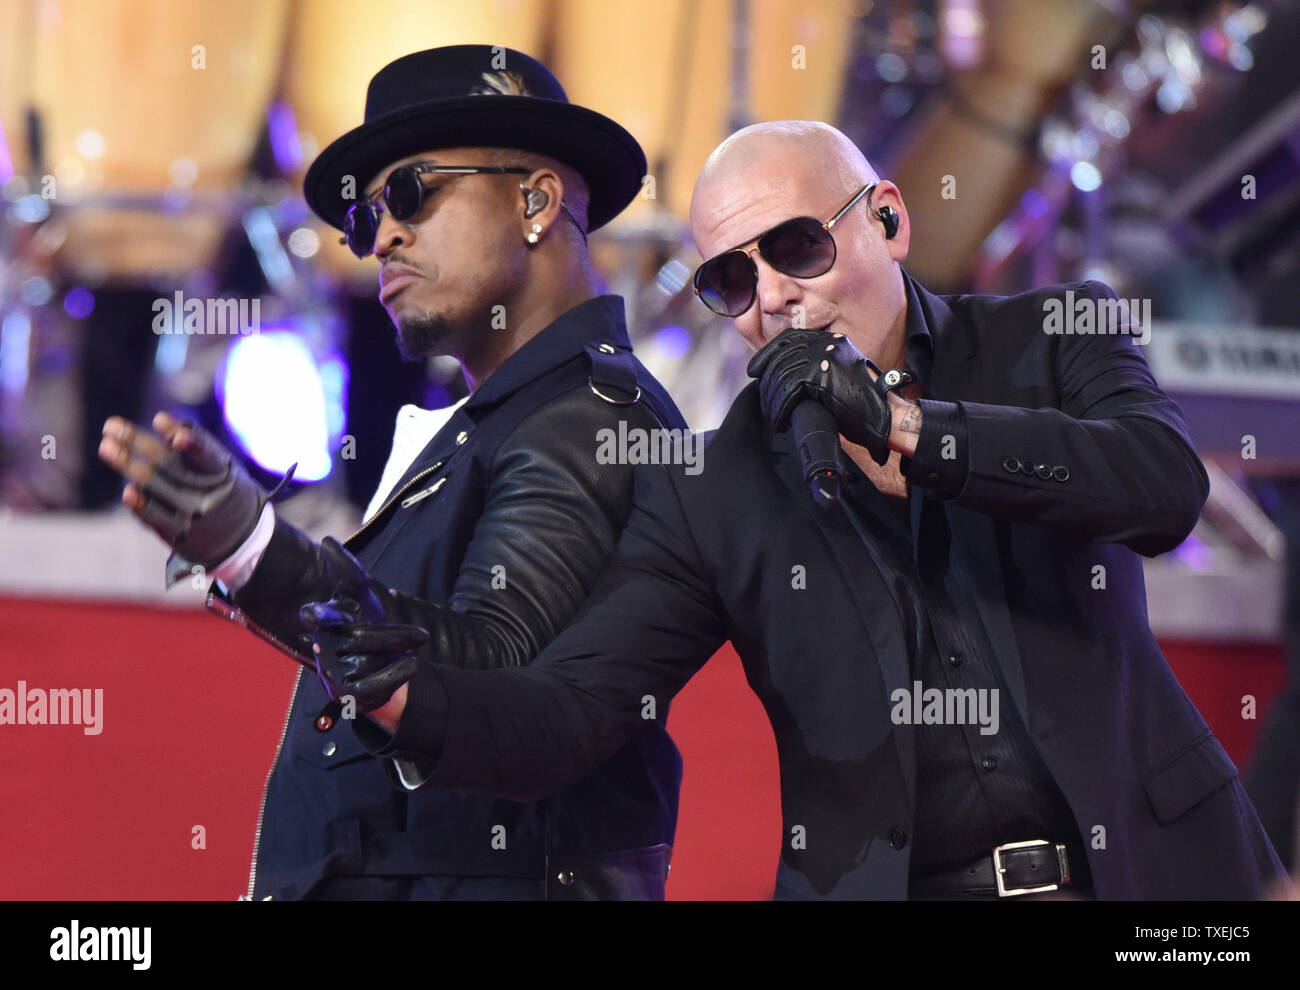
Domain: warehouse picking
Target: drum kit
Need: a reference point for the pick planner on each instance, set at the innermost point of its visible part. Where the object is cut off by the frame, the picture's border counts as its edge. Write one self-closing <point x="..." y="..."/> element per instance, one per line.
<point x="145" y="145"/>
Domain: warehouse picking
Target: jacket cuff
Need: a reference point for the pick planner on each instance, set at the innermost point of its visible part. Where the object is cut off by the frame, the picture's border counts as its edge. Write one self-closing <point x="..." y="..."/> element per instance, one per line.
<point x="288" y="561"/>
<point x="941" y="461"/>
<point x="235" y="570"/>
<point x="420" y="730"/>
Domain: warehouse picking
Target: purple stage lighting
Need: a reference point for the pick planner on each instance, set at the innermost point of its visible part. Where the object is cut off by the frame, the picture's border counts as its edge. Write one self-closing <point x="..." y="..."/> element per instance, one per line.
<point x="280" y="404"/>
<point x="79" y="302"/>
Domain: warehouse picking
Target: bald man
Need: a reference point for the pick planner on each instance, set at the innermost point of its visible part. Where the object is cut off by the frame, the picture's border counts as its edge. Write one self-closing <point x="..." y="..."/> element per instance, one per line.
<point x="951" y="643"/>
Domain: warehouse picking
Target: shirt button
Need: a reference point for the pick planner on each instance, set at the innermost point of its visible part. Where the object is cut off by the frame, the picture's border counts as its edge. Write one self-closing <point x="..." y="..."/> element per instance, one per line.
<point x="329" y="749"/>
<point x="897" y="837"/>
<point x="954" y="660"/>
<point x="989" y="763"/>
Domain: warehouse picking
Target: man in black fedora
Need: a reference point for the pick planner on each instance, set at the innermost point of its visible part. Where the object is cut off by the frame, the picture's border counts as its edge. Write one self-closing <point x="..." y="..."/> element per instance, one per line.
<point x="475" y="183"/>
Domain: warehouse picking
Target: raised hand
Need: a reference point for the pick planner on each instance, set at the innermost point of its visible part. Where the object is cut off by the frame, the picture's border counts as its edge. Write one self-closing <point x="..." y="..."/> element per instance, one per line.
<point x="802" y="364"/>
<point x="185" y="486"/>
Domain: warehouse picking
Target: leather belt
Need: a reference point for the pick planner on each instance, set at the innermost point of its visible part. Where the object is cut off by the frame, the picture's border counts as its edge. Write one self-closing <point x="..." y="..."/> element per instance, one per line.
<point x="1010" y="870"/>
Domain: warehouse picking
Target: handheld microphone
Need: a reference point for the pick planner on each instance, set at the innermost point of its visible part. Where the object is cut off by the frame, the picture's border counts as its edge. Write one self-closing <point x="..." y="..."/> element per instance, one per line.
<point x="818" y="441"/>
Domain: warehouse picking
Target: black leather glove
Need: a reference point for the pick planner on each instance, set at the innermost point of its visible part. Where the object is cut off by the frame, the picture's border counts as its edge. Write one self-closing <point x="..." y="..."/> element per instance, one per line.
<point x="357" y="652"/>
<point x="802" y="364"/>
<point x="202" y="501"/>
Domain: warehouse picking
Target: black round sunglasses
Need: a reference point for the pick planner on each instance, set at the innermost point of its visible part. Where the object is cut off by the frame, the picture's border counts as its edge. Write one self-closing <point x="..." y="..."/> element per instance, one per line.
<point x="403" y="196"/>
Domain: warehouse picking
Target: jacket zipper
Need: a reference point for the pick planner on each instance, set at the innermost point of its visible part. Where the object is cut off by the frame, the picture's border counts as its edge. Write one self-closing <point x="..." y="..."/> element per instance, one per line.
<point x="261" y="808"/>
<point x="418" y="496"/>
<point x="224" y="609"/>
<point x="396" y="495"/>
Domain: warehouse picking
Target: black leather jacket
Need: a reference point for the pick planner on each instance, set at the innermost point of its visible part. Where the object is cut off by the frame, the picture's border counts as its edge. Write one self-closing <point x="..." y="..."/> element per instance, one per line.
<point x="491" y="541"/>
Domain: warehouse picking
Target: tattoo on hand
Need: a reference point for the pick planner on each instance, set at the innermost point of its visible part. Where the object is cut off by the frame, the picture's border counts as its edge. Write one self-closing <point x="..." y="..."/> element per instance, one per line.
<point x="911" y="422"/>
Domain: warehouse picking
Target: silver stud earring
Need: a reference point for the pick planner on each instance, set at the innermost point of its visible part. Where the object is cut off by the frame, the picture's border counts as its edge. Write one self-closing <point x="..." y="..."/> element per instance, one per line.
<point x="537" y="229"/>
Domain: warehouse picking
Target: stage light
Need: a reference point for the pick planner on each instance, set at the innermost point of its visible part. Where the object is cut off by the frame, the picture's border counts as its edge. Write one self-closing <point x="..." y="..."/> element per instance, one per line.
<point x="79" y="302"/>
<point x="1116" y="124"/>
<point x="1240" y="58"/>
<point x="31" y="209"/>
<point x="280" y="405"/>
<point x="36" y="291"/>
<point x="1034" y="203"/>
<point x="304" y="242"/>
<point x="1174" y="95"/>
<point x="282" y="129"/>
<point x="672" y="277"/>
<point x="90" y="144"/>
<point x="673" y="343"/>
<point x="15" y="356"/>
<point x="891" y="67"/>
<point x="1135" y="77"/>
<point x="1085" y="176"/>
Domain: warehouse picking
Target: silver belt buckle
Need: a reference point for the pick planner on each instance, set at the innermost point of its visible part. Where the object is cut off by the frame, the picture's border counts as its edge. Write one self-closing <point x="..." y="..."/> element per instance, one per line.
<point x="999" y="869"/>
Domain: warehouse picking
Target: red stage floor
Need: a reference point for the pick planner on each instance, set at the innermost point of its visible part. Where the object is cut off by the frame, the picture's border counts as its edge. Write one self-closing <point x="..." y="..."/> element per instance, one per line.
<point x="113" y="815"/>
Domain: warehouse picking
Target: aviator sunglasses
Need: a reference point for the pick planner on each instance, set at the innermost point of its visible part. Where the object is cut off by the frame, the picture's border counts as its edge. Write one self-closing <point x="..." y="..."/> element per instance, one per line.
<point x="403" y="196"/>
<point x="802" y="247"/>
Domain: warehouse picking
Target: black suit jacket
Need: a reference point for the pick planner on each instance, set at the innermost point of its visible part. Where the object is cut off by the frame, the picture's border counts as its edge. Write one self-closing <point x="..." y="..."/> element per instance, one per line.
<point x="710" y="557"/>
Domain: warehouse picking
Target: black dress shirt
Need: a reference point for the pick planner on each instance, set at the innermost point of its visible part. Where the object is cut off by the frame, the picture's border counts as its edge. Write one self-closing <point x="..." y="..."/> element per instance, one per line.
<point x="973" y="790"/>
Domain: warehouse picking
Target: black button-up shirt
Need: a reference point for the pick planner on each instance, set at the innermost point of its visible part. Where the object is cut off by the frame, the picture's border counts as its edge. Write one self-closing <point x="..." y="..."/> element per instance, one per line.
<point x="973" y="790"/>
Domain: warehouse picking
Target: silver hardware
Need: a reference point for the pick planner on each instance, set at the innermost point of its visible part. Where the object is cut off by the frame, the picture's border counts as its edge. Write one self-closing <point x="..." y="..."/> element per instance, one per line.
<point x="461" y="437"/>
<point x="408" y="502"/>
<point x="615" y="402"/>
<point x="1064" y="862"/>
<point x="391" y="500"/>
<point x="605" y="348"/>
<point x="999" y="869"/>
<point x="329" y="749"/>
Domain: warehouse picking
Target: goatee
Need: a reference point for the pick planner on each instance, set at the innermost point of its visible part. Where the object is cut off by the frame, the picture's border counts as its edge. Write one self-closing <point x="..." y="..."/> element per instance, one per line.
<point x="418" y="336"/>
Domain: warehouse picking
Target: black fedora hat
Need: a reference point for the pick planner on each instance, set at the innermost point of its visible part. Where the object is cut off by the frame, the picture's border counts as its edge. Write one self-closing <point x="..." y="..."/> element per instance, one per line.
<point x="476" y="96"/>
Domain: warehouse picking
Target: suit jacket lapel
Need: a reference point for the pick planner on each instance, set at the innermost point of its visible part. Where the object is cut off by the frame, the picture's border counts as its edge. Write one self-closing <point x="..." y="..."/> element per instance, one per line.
<point x="853" y="561"/>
